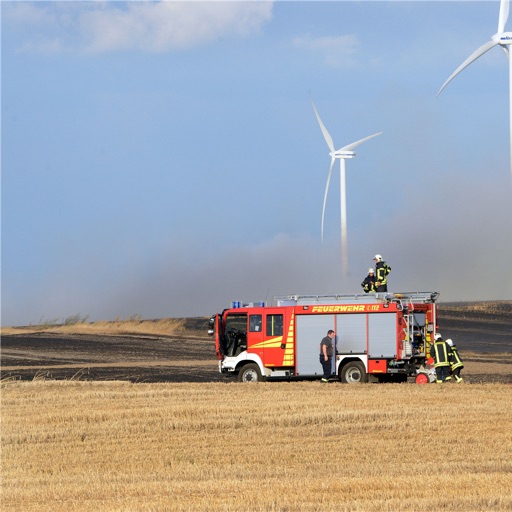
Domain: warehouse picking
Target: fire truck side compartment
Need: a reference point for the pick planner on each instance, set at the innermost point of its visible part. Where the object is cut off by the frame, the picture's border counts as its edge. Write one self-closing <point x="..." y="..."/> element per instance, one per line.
<point x="382" y="334"/>
<point x="356" y="333"/>
<point x="377" y="366"/>
<point x="351" y="333"/>
<point x="310" y="331"/>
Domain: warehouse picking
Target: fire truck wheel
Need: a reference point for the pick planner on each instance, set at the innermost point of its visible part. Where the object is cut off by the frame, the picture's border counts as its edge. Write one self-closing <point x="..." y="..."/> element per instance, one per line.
<point x="250" y="373"/>
<point x="354" y="373"/>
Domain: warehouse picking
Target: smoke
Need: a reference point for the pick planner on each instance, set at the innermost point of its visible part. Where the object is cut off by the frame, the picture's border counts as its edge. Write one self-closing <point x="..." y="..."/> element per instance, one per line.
<point x="452" y="236"/>
<point x="457" y="242"/>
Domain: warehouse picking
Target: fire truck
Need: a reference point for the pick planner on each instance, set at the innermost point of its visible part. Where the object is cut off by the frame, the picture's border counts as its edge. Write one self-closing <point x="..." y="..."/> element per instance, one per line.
<point x="380" y="337"/>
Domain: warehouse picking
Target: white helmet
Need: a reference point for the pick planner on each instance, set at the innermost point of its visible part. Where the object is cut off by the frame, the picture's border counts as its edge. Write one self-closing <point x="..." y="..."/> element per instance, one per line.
<point x="370" y="270"/>
<point x="377" y="257"/>
<point x="450" y="342"/>
<point x="437" y="337"/>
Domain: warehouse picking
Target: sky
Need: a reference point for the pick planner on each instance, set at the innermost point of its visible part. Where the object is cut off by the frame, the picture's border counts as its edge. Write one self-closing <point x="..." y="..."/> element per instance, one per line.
<point x="162" y="159"/>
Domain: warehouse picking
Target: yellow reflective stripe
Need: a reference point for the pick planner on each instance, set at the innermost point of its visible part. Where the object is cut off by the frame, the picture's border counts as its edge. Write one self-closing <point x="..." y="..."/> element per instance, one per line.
<point x="438" y="362"/>
<point x="277" y="342"/>
<point x="290" y="344"/>
<point x="272" y="343"/>
<point x="381" y="275"/>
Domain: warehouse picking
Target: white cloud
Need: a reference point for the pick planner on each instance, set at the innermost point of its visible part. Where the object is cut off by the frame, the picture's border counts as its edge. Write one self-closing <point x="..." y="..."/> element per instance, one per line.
<point x="147" y="26"/>
<point x="334" y="51"/>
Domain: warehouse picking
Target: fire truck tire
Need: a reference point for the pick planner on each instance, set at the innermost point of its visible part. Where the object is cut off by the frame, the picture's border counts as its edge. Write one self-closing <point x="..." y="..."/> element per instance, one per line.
<point x="354" y="372"/>
<point x="250" y="373"/>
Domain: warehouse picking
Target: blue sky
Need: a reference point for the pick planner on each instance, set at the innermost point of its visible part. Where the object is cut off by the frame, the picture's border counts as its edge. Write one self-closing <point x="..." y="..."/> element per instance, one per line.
<point x="163" y="158"/>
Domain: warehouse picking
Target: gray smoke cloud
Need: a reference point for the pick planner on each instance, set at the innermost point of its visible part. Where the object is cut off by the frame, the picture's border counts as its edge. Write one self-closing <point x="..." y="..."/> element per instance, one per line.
<point x="452" y="237"/>
<point x="458" y="248"/>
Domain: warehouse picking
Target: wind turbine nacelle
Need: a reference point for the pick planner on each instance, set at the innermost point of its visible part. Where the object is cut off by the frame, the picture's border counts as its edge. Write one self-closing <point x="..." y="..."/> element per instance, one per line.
<point x="343" y="154"/>
<point x="505" y="38"/>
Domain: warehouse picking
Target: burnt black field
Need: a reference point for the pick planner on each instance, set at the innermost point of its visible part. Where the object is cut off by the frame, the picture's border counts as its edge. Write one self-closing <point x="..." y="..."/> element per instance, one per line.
<point x="190" y="356"/>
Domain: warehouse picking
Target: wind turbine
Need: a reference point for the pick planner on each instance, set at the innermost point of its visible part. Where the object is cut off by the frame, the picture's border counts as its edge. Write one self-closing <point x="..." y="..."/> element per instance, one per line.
<point x="504" y="39"/>
<point x="341" y="155"/>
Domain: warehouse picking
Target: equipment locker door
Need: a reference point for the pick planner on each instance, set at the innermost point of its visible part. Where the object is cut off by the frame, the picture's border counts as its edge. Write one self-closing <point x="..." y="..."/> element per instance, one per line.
<point x="382" y="335"/>
<point x="351" y="333"/>
<point x="310" y="330"/>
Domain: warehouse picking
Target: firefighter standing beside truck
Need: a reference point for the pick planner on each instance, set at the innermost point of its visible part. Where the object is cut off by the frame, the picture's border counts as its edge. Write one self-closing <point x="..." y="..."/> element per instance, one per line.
<point x="456" y="363"/>
<point x="441" y="353"/>
<point x="382" y="269"/>
<point x="326" y="353"/>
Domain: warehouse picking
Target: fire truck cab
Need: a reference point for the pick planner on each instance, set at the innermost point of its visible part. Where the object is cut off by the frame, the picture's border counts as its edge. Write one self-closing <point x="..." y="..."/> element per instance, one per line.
<point x="379" y="337"/>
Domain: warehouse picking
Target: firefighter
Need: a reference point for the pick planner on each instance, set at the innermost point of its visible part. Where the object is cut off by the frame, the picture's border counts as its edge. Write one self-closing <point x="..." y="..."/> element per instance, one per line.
<point x="456" y="363"/>
<point x="369" y="282"/>
<point x="441" y="353"/>
<point x="326" y="353"/>
<point x="382" y="269"/>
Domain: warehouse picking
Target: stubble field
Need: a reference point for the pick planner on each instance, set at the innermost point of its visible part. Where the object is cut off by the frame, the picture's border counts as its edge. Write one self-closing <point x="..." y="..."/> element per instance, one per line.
<point x="117" y="446"/>
<point x="172" y="434"/>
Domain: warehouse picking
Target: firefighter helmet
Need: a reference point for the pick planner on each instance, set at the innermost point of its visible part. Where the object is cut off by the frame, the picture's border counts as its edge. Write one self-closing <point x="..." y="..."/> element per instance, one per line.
<point x="450" y="342"/>
<point x="370" y="270"/>
<point x="377" y="257"/>
<point x="437" y="337"/>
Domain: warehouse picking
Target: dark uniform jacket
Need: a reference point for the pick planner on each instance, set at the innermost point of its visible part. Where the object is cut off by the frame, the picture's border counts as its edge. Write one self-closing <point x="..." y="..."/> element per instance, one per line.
<point x="382" y="269"/>
<point x="369" y="284"/>
<point x="455" y="359"/>
<point x="441" y="353"/>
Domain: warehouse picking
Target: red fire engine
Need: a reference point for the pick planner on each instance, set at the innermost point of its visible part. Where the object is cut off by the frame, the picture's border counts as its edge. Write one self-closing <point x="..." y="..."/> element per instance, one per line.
<point x="379" y="337"/>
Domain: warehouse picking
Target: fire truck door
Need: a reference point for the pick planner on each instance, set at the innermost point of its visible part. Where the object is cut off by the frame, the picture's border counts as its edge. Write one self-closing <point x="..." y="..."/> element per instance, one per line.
<point x="274" y="345"/>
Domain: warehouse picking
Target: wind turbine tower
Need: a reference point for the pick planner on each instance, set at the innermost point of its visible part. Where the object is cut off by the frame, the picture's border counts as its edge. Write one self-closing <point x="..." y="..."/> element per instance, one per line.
<point x="503" y="39"/>
<point x="342" y="154"/>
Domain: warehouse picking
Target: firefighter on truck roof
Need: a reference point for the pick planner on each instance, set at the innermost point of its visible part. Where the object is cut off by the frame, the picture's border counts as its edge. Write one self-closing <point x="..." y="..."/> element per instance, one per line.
<point x="369" y="282"/>
<point x="382" y="269"/>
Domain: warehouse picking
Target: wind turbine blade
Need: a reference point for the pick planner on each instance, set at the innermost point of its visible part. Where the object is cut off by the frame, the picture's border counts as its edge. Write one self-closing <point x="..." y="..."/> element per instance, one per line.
<point x="504" y="11"/>
<point x="478" y="53"/>
<point x="350" y="147"/>
<point x="325" y="195"/>
<point x="327" y="135"/>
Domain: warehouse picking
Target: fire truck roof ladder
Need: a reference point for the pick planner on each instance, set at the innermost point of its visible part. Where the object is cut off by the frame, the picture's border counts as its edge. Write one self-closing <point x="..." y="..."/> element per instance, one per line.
<point x="412" y="297"/>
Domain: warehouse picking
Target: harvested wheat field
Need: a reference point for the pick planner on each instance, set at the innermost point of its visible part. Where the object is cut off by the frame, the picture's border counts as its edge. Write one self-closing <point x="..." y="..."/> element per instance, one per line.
<point x="134" y="416"/>
<point x="301" y="446"/>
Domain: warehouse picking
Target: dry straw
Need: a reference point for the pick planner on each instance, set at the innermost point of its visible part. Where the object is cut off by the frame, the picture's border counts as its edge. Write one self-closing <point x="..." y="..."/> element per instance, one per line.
<point x="161" y="327"/>
<point x="263" y="447"/>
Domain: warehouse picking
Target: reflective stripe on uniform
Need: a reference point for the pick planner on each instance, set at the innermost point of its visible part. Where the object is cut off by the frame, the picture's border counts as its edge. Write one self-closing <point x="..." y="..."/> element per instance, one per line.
<point x="440" y="354"/>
